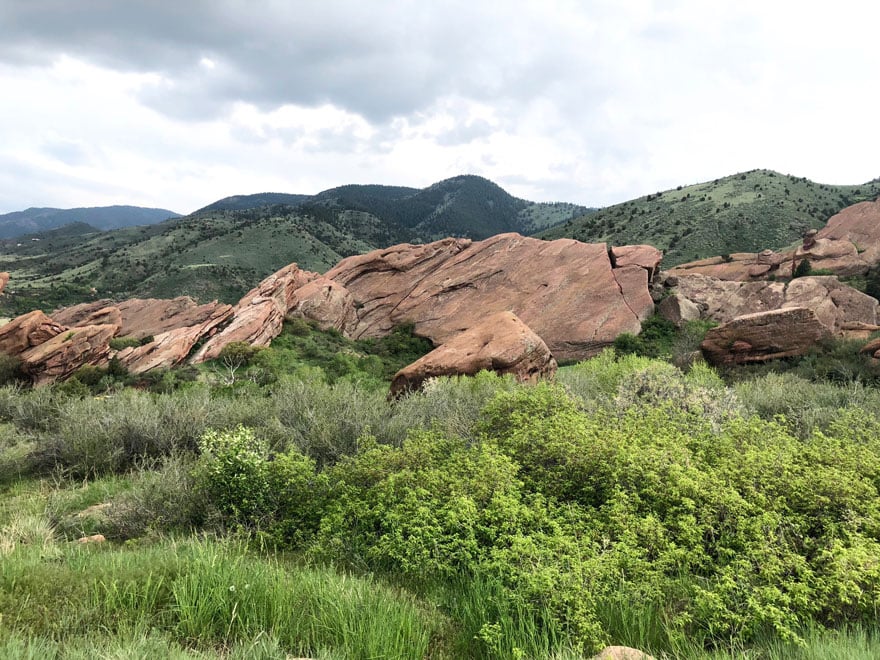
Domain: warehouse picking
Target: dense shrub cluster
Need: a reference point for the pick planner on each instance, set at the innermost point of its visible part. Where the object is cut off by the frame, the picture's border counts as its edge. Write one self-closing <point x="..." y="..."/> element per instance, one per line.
<point x="541" y="518"/>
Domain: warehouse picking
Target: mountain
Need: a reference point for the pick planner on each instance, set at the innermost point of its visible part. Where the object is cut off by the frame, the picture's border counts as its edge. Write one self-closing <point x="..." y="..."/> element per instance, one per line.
<point x="243" y="202"/>
<point x="224" y="249"/>
<point x="19" y="223"/>
<point x="745" y="212"/>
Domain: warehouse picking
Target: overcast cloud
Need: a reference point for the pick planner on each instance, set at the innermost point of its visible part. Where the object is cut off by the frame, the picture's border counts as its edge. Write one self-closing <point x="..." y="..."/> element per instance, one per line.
<point x="176" y="104"/>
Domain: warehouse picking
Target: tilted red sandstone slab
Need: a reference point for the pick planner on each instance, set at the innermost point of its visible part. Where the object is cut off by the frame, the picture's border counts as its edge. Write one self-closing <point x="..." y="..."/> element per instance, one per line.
<point x="171" y="348"/>
<point x="258" y="317"/>
<point x="566" y="291"/>
<point x="763" y="336"/>
<point x="143" y="317"/>
<point x="327" y="303"/>
<point x="860" y="225"/>
<point x="499" y="342"/>
<point x="63" y="354"/>
<point x="28" y="330"/>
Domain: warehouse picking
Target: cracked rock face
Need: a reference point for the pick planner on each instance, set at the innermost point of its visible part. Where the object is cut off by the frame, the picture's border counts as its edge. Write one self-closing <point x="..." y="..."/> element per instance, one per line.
<point x="566" y="291"/>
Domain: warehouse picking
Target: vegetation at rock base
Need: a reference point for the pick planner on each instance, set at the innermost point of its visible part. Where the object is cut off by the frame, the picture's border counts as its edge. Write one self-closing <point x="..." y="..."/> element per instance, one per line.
<point x="630" y="502"/>
<point x="746" y="212"/>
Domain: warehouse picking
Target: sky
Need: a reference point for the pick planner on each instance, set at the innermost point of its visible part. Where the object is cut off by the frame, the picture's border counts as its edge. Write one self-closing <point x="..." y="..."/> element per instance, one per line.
<point x="178" y="104"/>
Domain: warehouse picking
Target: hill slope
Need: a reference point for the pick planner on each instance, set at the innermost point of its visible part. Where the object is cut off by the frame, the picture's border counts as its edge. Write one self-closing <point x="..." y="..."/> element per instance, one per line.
<point x="746" y="212"/>
<point x="34" y="220"/>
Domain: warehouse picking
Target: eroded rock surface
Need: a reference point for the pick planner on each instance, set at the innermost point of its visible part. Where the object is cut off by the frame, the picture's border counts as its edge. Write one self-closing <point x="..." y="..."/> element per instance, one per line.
<point x="327" y="303"/>
<point x="143" y="317"/>
<point x="28" y="330"/>
<point x="566" y="291"/>
<point x="500" y="342"/>
<point x="60" y="356"/>
<point x="171" y="348"/>
<point x="763" y="336"/>
<point x="258" y="317"/>
<point x="837" y="305"/>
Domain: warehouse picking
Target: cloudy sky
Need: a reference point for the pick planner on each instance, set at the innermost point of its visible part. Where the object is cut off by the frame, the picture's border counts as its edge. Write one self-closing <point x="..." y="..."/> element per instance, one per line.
<point x="176" y="104"/>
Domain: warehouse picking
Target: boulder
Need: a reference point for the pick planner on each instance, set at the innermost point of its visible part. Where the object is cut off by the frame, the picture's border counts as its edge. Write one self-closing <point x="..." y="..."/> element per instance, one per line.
<point x="171" y="348"/>
<point x="566" y="291"/>
<point x="500" y="342"/>
<point x="677" y="309"/>
<point x="4" y="280"/>
<point x="872" y="348"/>
<point x="27" y="331"/>
<point x="644" y="256"/>
<point x="63" y="354"/>
<point x="327" y="303"/>
<point x="763" y="336"/>
<point x="258" y="317"/>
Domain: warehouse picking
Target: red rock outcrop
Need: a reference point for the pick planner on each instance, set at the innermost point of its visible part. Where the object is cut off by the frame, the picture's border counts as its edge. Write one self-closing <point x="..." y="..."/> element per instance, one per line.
<point x="858" y="224"/>
<point x="171" y="348"/>
<point x="258" y="317"/>
<point x="327" y="303"/>
<point x="872" y="348"/>
<point x="838" y="306"/>
<point x="4" y="280"/>
<point x="26" y="331"/>
<point x="63" y="354"/>
<point x="499" y="342"/>
<point x="144" y="317"/>
<point x="763" y="336"/>
<point x="644" y="256"/>
<point x="566" y="291"/>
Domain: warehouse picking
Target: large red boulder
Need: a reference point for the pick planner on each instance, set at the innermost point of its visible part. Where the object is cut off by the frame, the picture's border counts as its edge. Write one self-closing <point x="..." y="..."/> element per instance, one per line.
<point x="499" y="342"/>
<point x="566" y="291"/>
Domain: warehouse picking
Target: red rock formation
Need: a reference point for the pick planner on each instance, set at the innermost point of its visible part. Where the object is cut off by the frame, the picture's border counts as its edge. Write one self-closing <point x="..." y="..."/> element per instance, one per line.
<point x="63" y="354"/>
<point x="763" y="336"/>
<point x="838" y="306"/>
<point x="4" y="280"/>
<point x="326" y="302"/>
<point x="858" y="224"/>
<point x="258" y="317"/>
<point x="499" y="342"/>
<point x="645" y="256"/>
<point x="171" y="348"/>
<point x="144" y="317"/>
<point x="564" y="290"/>
<point x="26" y="331"/>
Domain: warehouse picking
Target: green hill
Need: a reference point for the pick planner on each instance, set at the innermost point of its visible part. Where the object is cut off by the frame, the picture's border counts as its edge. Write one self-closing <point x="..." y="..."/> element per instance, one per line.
<point x="222" y="252"/>
<point x="746" y="212"/>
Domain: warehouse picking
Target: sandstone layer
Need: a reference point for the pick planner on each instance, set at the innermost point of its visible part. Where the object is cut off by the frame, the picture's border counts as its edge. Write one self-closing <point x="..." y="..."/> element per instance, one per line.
<point x="567" y="292"/>
<point x="763" y="336"/>
<point x="63" y="354"/>
<point x="500" y="342"/>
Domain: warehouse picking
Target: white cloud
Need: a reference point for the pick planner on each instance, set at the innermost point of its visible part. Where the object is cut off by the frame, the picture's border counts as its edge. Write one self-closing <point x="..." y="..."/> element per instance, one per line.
<point x="175" y="105"/>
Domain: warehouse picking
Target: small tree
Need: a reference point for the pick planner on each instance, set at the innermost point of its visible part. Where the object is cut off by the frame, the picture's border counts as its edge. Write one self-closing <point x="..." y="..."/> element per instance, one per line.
<point x="803" y="269"/>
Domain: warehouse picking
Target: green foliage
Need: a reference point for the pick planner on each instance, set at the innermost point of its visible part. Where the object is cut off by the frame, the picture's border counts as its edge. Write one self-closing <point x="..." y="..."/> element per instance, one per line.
<point x="746" y="212"/>
<point x="119" y="343"/>
<point x="803" y="269"/>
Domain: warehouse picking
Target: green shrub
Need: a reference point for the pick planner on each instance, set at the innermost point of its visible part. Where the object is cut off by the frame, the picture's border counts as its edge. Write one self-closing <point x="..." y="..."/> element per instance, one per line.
<point x="120" y="343"/>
